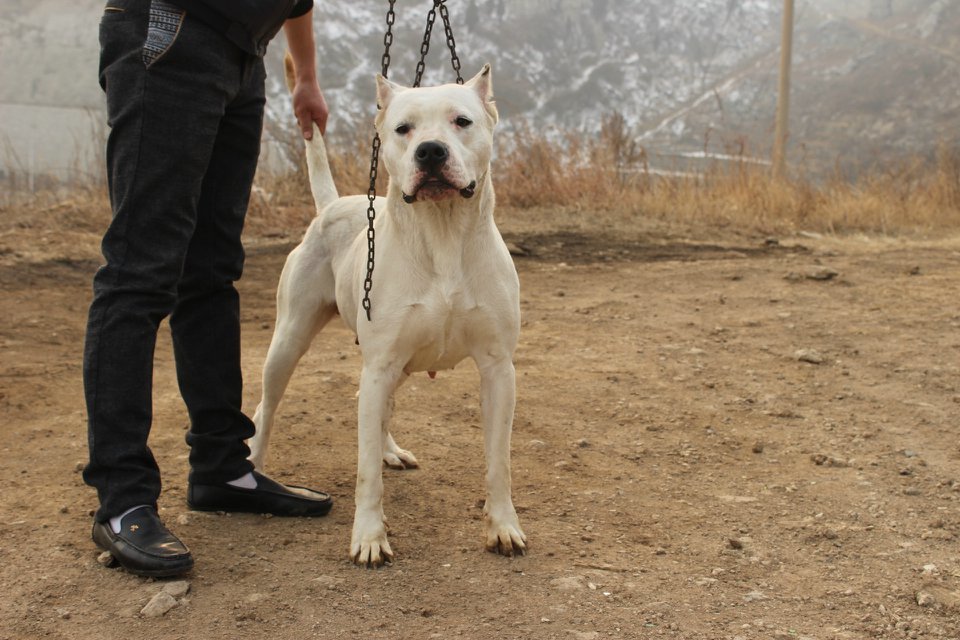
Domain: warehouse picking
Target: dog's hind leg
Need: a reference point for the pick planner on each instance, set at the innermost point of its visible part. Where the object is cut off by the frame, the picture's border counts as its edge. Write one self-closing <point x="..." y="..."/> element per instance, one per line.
<point x="302" y="311"/>
<point x="393" y="456"/>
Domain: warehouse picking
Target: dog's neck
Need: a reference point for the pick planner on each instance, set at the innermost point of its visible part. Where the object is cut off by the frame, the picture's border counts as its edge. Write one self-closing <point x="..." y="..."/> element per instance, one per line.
<point x="438" y="235"/>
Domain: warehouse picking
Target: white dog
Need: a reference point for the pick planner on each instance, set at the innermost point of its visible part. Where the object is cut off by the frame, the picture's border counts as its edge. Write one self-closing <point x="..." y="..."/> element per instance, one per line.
<point x="444" y="289"/>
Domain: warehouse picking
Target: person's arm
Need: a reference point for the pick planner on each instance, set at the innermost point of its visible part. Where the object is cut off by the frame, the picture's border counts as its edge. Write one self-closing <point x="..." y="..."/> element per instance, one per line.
<point x="308" y="103"/>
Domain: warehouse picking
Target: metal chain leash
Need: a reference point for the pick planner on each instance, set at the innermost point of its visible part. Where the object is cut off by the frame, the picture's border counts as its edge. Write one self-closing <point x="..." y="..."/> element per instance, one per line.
<point x="451" y="43"/>
<point x="388" y="40"/>
<point x="425" y="45"/>
<point x="438" y="6"/>
<point x="374" y="163"/>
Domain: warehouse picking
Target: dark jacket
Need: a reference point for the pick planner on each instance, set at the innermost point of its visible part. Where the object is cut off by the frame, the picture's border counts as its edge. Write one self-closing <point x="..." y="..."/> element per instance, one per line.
<point x="249" y="24"/>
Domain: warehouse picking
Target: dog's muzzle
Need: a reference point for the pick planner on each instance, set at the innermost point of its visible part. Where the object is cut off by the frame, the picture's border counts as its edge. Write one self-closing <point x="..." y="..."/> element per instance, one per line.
<point x="431" y="157"/>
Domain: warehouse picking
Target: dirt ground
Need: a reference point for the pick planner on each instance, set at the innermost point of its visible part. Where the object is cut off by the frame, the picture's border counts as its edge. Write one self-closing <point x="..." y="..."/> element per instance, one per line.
<point x="718" y="436"/>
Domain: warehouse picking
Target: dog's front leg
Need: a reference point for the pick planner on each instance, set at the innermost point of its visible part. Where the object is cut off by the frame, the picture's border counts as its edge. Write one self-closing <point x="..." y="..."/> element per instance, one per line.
<point x="497" y="400"/>
<point x="368" y="544"/>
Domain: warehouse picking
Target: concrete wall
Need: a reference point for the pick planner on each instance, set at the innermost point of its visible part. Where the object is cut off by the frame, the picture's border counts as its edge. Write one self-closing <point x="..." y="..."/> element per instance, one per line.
<point x="37" y="141"/>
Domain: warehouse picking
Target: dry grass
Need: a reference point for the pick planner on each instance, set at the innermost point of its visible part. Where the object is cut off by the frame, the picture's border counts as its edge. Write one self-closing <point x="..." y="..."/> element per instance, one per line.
<point x="611" y="173"/>
<point x="608" y="177"/>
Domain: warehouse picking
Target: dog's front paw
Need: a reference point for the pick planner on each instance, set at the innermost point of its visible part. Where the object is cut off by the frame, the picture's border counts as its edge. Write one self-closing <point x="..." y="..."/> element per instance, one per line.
<point x="369" y="546"/>
<point x="504" y="535"/>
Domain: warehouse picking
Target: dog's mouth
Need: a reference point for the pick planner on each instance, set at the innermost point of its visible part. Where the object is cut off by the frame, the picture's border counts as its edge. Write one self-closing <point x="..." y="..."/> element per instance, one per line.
<point x="439" y="188"/>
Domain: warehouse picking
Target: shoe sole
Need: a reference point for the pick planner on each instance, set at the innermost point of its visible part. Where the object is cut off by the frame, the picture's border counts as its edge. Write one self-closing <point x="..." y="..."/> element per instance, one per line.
<point x="318" y="512"/>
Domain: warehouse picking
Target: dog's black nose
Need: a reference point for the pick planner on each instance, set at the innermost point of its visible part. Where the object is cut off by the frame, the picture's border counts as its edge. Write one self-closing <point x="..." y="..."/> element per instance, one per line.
<point x="431" y="155"/>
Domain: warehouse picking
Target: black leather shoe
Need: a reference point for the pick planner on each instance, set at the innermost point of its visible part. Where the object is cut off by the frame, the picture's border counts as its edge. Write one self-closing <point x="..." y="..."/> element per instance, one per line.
<point x="144" y="546"/>
<point x="269" y="496"/>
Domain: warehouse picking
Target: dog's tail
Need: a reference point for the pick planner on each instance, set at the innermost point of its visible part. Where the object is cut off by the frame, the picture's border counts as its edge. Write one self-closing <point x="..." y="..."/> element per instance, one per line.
<point x="318" y="166"/>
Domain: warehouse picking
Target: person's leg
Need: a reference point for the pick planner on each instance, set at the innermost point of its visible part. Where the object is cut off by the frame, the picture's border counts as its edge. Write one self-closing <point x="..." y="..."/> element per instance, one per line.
<point x="164" y="112"/>
<point x="206" y="330"/>
<point x="206" y="320"/>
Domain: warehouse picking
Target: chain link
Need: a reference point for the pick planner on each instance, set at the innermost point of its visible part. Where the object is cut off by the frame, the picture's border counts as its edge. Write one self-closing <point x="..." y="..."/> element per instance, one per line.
<point x="451" y="43"/>
<point x="371" y="216"/>
<point x="374" y="163"/>
<point x="425" y="45"/>
<point x="438" y="5"/>
<point x="441" y="7"/>
<point x="387" y="40"/>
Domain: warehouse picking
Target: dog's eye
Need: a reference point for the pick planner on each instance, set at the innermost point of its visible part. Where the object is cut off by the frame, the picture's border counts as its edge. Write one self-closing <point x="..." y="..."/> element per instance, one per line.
<point x="403" y="129"/>
<point x="463" y="122"/>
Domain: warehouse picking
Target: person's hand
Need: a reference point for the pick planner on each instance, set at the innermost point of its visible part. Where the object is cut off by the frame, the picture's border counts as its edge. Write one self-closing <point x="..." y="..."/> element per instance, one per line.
<point x="309" y="106"/>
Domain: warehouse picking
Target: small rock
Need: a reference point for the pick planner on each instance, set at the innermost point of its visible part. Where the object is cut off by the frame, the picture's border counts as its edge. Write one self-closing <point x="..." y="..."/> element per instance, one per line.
<point x="177" y="588"/>
<point x="926" y="599"/>
<point x="754" y="596"/>
<point x="734" y="543"/>
<point x="931" y="570"/>
<point x="808" y="355"/>
<point x="159" y="605"/>
<point x="64" y="614"/>
<point x="757" y="447"/>
<point x="537" y="444"/>
<point x="824" y="460"/>
<point x="79" y="466"/>
<point x="582" y="443"/>
<point x="821" y="273"/>
<point x="183" y="519"/>
<point x="583" y="635"/>
<point x="106" y="559"/>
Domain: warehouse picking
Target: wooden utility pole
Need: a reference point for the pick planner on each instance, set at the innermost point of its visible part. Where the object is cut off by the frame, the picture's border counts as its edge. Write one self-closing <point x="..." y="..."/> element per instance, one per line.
<point x="783" y="93"/>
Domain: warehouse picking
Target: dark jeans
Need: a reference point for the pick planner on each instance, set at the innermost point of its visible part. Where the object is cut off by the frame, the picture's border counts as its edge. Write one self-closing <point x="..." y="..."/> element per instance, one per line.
<point x="185" y="120"/>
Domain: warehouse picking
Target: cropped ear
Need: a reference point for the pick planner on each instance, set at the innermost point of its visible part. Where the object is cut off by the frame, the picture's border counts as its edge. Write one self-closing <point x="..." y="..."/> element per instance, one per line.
<point x="385" y="92"/>
<point x="482" y="83"/>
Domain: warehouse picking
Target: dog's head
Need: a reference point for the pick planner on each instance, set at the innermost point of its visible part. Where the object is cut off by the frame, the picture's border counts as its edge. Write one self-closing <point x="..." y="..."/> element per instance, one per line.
<point x="436" y="142"/>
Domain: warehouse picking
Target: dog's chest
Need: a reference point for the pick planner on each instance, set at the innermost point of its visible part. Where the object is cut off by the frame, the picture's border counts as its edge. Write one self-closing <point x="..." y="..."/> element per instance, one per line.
<point x="441" y="327"/>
